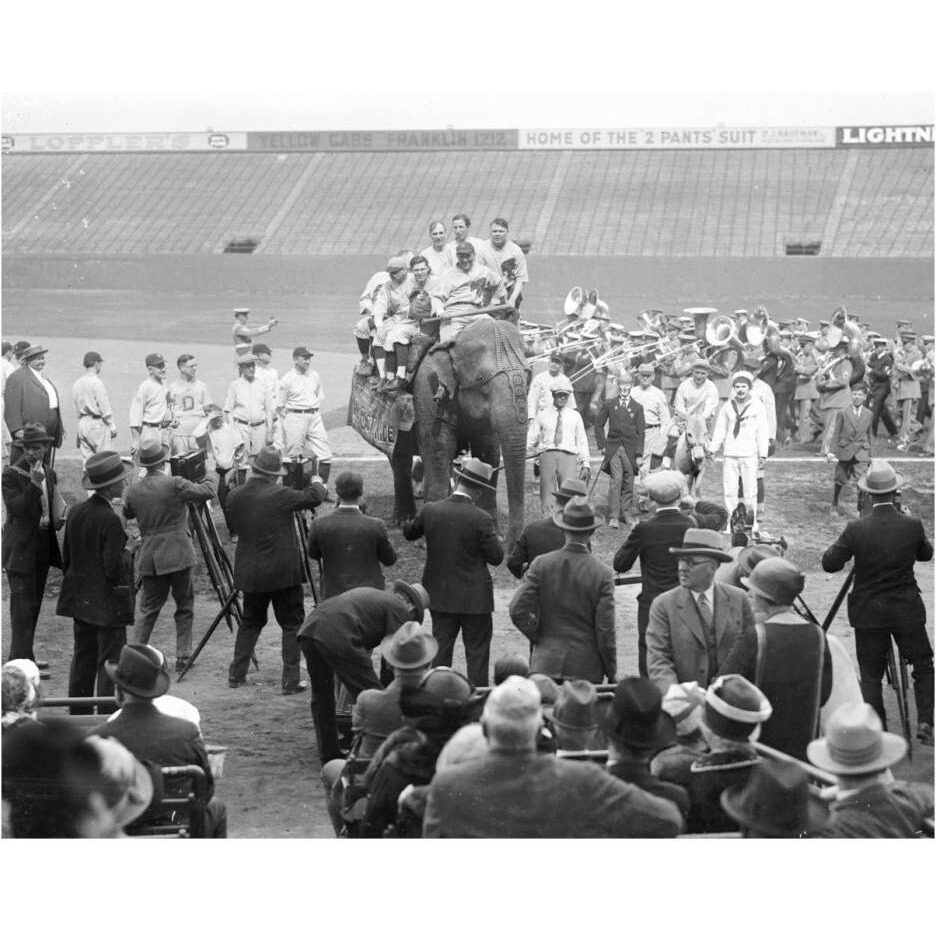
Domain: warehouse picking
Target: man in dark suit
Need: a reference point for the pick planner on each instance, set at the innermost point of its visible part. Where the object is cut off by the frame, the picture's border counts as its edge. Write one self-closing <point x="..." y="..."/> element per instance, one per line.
<point x="166" y="557"/>
<point x="461" y="541"/>
<point x="650" y="542"/>
<point x="30" y="397"/>
<point x="30" y="546"/>
<point x="268" y="562"/>
<point x="512" y="791"/>
<point x="97" y="584"/>
<point x="885" y="599"/>
<point x="694" y="625"/>
<point x="849" y="445"/>
<point x="337" y="639"/>
<point x="565" y="604"/>
<point x="543" y="536"/>
<point x="140" y="676"/>
<point x="880" y="364"/>
<point x="624" y="449"/>
<point x="352" y="547"/>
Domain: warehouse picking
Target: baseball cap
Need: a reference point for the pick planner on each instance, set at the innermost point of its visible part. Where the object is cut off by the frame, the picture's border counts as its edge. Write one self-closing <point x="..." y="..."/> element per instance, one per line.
<point x="92" y="357"/>
<point x="302" y="351"/>
<point x="155" y="360"/>
<point x="261" y="349"/>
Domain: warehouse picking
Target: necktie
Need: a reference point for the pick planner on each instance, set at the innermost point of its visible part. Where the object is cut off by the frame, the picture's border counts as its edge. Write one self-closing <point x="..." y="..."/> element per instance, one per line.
<point x="705" y="610"/>
<point x="739" y="415"/>
<point x="557" y="438"/>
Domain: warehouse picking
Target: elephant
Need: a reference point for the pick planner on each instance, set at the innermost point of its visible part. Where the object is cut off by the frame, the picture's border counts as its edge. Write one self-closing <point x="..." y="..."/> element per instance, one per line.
<point x="487" y="414"/>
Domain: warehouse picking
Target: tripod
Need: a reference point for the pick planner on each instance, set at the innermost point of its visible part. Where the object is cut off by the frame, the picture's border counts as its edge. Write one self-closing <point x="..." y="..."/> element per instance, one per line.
<point x="897" y="679"/>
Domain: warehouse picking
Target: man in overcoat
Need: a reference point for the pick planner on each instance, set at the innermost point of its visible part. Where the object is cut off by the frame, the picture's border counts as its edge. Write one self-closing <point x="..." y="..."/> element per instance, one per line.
<point x="623" y="450"/>
<point x="30" y="397"/>
<point x="97" y="581"/>
<point x="694" y="625"/>
<point x="461" y="542"/>
<point x="565" y="604"/>
<point x="268" y="562"/>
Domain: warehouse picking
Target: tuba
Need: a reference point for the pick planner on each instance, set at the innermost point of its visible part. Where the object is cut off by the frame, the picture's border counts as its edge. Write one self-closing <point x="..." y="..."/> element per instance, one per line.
<point x="653" y="321"/>
<point x="755" y="330"/>
<point x="836" y="327"/>
<point x="590" y="304"/>
<point x="720" y="330"/>
<point x="700" y="316"/>
<point x="574" y="300"/>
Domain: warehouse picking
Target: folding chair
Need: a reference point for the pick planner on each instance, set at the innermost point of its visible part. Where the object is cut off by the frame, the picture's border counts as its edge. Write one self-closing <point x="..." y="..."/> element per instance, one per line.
<point x="353" y="795"/>
<point x="180" y="813"/>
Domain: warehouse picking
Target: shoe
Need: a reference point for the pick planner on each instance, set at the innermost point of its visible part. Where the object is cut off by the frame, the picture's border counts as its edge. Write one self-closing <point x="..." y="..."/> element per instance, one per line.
<point x="364" y="368"/>
<point x="295" y="688"/>
<point x="237" y="683"/>
<point x="614" y="523"/>
<point x="394" y="383"/>
<point x="925" y="734"/>
<point x="42" y="664"/>
<point x="181" y="663"/>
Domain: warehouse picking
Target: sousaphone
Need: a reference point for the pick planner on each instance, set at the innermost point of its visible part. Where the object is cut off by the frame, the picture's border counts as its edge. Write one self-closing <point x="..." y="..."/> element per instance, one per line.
<point x="756" y="327"/>
<point x="574" y="301"/>
<point x="700" y="316"/>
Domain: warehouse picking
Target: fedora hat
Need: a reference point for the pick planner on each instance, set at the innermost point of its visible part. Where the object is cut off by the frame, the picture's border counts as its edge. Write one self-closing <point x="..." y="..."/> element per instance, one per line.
<point x="152" y="454"/>
<point x="142" y="671"/>
<point x="576" y="515"/>
<point x="102" y="469"/>
<point x="664" y="486"/>
<point x="776" y="800"/>
<point x="409" y="648"/>
<point x="415" y="594"/>
<point x="33" y="433"/>
<point x="855" y="742"/>
<point x="775" y="579"/>
<point x="570" y="488"/>
<point x="574" y="708"/>
<point x="32" y="351"/>
<point x="636" y="718"/>
<point x="881" y="478"/>
<point x="269" y="461"/>
<point x="476" y="472"/>
<point x="735" y="707"/>
<point x="750" y="556"/>
<point x="702" y="542"/>
<point x="122" y="769"/>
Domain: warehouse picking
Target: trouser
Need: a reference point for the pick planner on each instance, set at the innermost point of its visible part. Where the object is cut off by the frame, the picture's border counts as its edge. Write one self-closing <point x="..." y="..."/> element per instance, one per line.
<point x="556" y="466"/>
<point x="621" y="486"/>
<point x="783" y="403"/>
<point x="844" y="470"/>
<point x="643" y="620"/>
<point x="94" y="646"/>
<point x="93" y="436"/>
<point x="352" y="665"/>
<point x="913" y="644"/>
<point x="476" y="631"/>
<point x="26" y="591"/>
<point x="745" y="469"/>
<point x="881" y="411"/>
<point x="153" y="595"/>
<point x="181" y="443"/>
<point x="289" y="610"/>
<point x="907" y="407"/>
<point x="153" y="434"/>
<point x="304" y="434"/>
<point x="331" y="774"/>
<point x="254" y="436"/>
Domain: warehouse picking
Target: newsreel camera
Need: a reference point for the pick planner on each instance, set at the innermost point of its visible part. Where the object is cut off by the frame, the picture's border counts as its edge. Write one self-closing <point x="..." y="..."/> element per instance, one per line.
<point x="191" y="466"/>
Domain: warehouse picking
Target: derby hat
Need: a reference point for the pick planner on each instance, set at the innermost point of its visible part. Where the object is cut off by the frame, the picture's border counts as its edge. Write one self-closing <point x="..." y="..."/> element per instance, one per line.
<point x="34" y="433"/>
<point x="269" y="461"/>
<point x="664" y="486"/>
<point x="569" y="488"/>
<point x="103" y="469"/>
<point x="152" y="454"/>
<point x="574" y="708"/>
<point x="855" y="742"/>
<point x="881" y="478"/>
<point x="33" y="351"/>
<point x="776" y="800"/>
<point x="735" y="707"/>
<point x="409" y="648"/>
<point x="775" y="579"/>
<point x="702" y="542"/>
<point x="577" y="515"/>
<point x="637" y="719"/>
<point x="476" y="472"/>
<point x="415" y="594"/>
<point x="142" y="671"/>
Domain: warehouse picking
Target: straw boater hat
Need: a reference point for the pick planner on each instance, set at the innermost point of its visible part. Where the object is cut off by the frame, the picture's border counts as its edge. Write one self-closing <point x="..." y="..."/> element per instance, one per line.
<point x="776" y="800"/>
<point x="476" y="472"/>
<point x="103" y="469"/>
<point x="881" y="478"/>
<point x="735" y="708"/>
<point x="152" y="454"/>
<point x="142" y="671"/>
<point x="577" y="515"/>
<point x="855" y="742"/>
<point x="409" y="648"/>
<point x="701" y="542"/>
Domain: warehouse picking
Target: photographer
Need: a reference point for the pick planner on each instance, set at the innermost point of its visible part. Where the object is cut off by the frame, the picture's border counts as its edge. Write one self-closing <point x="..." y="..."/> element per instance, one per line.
<point x="885" y="599"/>
<point x="166" y="557"/>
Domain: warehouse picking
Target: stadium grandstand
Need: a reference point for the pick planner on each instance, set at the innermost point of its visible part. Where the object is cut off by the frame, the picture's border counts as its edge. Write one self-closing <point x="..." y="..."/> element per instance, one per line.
<point x="685" y="203"/>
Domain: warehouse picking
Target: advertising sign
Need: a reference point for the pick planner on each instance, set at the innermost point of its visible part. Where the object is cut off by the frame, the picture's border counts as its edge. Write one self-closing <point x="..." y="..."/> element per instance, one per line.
<point x="919" y="135"/>
<point x="679" y="138"/>
<point x="122" y="142"/>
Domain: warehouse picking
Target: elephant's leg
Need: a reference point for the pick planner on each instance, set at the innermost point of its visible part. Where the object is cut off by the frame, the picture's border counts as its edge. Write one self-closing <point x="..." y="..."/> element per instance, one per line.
<point x="404" y="504"/>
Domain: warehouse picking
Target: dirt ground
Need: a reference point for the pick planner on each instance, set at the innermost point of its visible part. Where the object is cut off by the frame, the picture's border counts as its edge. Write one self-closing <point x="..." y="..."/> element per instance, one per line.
<point x="270" y="781"/>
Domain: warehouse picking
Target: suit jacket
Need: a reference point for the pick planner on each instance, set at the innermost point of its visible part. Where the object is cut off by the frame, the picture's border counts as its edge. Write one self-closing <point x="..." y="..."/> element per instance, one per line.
<point x="355" y="620"/>
<point x="158" y="501"/>
<point x="880" y="810"/>
<point x="850" y="437"/>
<point x="626" y="426"/>
<point x="676" y="647"/>
<point x="650" y="541"/>
<point x="639" y="774"/>
<point x="98" y="570"/>
<point x="25" y="400"/>
<point x="461" y="542"/>
<point x="565" y="606"/>
<point x="885" y="545"/>
<point x="377" y="714"/>
<point x="23" y="541"/>
<point x="536" y="538"/>
<point x="530" y="795"/>
<point x="352" y="547"/>
<point x="268" y="556"/>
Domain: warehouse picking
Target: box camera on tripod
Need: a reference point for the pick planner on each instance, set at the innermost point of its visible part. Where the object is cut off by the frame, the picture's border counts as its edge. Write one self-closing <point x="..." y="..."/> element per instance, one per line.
<point x="190" y="466"/>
